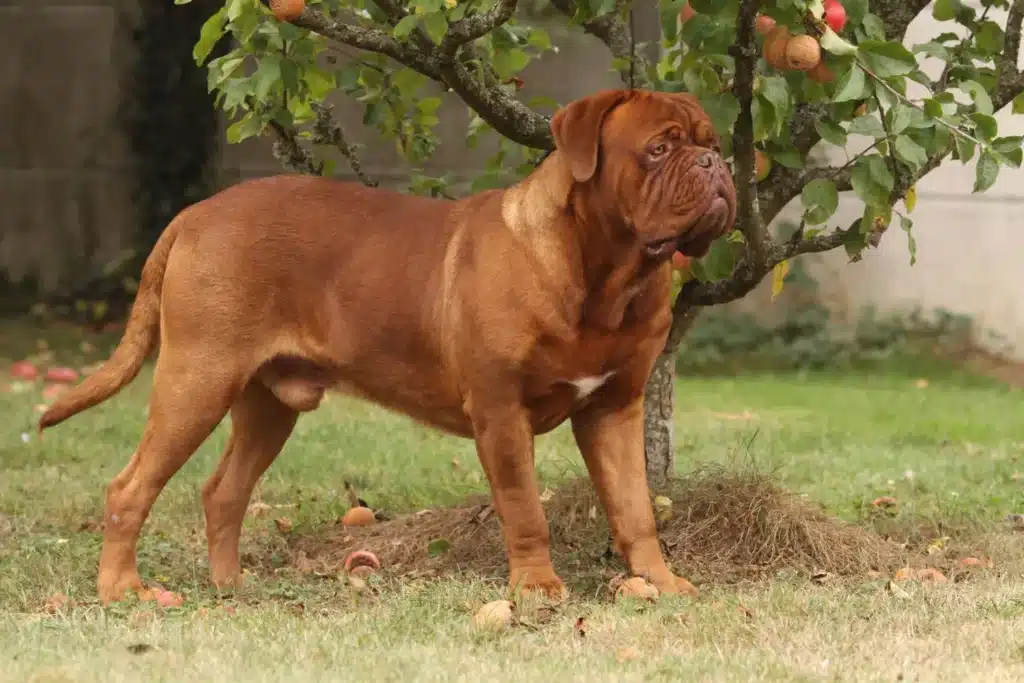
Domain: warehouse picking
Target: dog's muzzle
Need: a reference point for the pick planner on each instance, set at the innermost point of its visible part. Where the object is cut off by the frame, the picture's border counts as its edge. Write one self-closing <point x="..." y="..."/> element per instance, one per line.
<point x="713" y="219"/>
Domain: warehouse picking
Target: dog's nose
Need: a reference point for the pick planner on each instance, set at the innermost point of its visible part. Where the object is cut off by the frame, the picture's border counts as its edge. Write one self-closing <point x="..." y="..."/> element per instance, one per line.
<point x="706" y="160"/>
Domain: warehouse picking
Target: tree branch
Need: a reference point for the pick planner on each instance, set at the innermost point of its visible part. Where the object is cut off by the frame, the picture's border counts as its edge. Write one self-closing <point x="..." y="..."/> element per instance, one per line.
<point x="326" y="131"/>
<point x="614" y="32"/>
<point x="291" y="154"/>
<point x="507" y="115"/>
<point x="369" y="39"/>
<point x="475" y="26"/>
<point x="1011" y="44"/>
<point x="785" y="183"/>
<point x="750" y="221"/>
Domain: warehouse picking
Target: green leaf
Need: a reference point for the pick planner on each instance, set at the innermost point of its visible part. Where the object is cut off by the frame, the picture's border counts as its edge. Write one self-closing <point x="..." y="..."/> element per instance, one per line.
<point x="933" y="49"/>
<point x="509" y="62"/>
<point x="209" y="34"/>
<point x="982" y="101"/>
<point x="990" y="38"/>
<point x="874" y="27"/>
<point x="820" y="199"/>
<point x="900" y="118"/>
<point x="438" y="546"/>
<point x="867" y="125"/>
<point x="872" y="180"/>
<point x="267" y="74"/>
<point x="987" y="172"/>
<point x="910" y="152"/>
<point x="429" y="105"/>
<point x="775" y="89"/>
<point x="852" y="86"/>
<point x="964" y="148"/>
<point x="723" y="108"/>
<point x="790" y="158"/>
<point x="222" y="69"/>
<point x="765" y="120"/>
<point x="719" y="262"/>
<point x="248" y="126"/>
<point x="907" y="225"/>
<point x="436" y="25"/>
<point x="856" y="10"/>
<point x="405" y="26"/>
<point x="985" y="126"/>
<point x="831" y="132"/>
<point x="886" y="59"/>
<point x="1018" y="104"/>
<point x="946" y="10"/>
<point x="1009" y="148"/>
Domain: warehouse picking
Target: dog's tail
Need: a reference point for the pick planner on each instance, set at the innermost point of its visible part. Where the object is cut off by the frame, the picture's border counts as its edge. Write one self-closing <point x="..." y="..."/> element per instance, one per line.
<point x="140" y="337"/>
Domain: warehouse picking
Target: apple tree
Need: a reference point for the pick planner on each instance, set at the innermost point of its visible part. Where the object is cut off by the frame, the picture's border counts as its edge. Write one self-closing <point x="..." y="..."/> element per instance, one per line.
<point x="787" y="82"/>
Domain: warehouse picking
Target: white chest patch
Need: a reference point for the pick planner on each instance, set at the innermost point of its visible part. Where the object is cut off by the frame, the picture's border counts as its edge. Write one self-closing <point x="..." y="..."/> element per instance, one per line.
<point x="585" y="386"/>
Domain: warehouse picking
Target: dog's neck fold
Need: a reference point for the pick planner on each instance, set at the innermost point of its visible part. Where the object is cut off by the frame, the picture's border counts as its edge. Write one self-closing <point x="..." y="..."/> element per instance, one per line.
<point x="572" y="237"/>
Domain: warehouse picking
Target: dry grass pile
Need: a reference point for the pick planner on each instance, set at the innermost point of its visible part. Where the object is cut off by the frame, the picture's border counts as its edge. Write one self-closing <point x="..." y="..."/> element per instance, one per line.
<point x="724" y="526"/>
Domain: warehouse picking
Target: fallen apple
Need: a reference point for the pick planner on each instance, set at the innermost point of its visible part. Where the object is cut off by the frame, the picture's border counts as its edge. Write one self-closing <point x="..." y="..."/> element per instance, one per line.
<point x="361" y="558"/>
<point x="637" y="587"/>
<point x="61" y="375"/>
<point x="494" y="616"/>
<point x="24" y="370"/>
<point x="358" y="516"/>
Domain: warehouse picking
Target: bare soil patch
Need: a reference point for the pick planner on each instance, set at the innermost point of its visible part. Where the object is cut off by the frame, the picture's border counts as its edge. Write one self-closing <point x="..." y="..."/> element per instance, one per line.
<point x="731" y="526"/>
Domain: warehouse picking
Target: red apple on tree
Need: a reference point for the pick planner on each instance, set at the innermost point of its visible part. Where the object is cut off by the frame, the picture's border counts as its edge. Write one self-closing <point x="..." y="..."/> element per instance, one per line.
<point x="835" y="15"/>
<point x="686" y="13"/>
<point x="764" y="24"/>
<point x="680" y="261"/>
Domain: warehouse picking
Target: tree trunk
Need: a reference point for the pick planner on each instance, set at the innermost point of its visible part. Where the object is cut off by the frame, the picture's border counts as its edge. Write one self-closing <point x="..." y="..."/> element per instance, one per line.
<point x="659" y="401"/>
<point x="658" y="406"/>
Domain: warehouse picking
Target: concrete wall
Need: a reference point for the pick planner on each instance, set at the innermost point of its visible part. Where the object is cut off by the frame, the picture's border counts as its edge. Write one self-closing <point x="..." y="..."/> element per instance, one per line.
<point x="64" y="172"/>
<point x="64" y="200"/>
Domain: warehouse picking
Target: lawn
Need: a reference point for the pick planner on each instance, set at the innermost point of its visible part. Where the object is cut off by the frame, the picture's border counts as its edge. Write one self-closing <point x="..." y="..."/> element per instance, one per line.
<point x="947" y="450"/>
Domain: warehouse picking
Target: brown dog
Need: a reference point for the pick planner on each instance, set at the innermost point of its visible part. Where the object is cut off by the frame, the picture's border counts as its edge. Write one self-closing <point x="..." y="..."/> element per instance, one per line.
<point x="495" y="317"/>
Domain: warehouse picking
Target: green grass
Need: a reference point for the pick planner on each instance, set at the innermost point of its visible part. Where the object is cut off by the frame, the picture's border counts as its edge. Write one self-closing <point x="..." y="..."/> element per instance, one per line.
<point x="947" y="452"/>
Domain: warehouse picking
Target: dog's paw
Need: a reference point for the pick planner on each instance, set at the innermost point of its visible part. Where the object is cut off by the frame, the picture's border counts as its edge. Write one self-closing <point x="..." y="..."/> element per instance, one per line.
<point x="676" y="585"/>
<point x="538" y="581"/>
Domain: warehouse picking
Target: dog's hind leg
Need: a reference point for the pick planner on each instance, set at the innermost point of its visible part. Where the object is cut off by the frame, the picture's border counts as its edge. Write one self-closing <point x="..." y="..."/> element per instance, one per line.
<point x="260" y="425"/>
<point x="187" y="403"/>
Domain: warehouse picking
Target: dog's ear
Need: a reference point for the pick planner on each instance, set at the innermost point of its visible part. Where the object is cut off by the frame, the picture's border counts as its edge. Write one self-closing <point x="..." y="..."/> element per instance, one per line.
<point x="576" y="128"/>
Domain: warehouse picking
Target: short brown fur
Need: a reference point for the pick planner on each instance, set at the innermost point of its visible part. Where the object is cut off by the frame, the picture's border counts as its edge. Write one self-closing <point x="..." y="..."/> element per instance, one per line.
<point x="496" y="317"/>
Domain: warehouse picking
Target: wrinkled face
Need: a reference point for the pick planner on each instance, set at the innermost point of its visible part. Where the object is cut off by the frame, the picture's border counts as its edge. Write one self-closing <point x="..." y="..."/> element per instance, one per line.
<point x="654" y="158"/>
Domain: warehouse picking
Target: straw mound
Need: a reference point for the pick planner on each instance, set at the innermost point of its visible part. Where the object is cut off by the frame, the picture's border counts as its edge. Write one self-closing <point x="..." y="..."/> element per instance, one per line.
<point x="725" y="526"/>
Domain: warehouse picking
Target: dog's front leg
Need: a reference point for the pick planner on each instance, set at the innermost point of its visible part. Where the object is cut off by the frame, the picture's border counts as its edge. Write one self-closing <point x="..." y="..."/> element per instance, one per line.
<point x="611" y="440"/>
<point x="504" y="442"/>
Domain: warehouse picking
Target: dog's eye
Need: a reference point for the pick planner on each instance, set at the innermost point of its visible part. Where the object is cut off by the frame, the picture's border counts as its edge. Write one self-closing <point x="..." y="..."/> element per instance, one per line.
<point x="658" y="150"/>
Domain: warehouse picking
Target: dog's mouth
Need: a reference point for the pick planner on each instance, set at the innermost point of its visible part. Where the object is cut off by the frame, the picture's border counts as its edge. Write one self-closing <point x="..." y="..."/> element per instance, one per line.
<point x="694" y="238"/>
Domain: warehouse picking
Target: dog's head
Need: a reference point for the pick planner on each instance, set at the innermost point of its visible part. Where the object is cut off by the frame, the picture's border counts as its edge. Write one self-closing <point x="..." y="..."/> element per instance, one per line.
<point x="654" y="159"/>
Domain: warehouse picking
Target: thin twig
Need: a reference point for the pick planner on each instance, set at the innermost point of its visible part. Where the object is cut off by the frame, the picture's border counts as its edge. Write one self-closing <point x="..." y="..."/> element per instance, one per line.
<point x="327" y="131"/>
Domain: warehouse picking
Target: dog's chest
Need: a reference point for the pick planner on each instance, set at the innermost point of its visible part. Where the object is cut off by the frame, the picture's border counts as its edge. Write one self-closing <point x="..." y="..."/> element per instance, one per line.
<point x="567" y="377"/>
